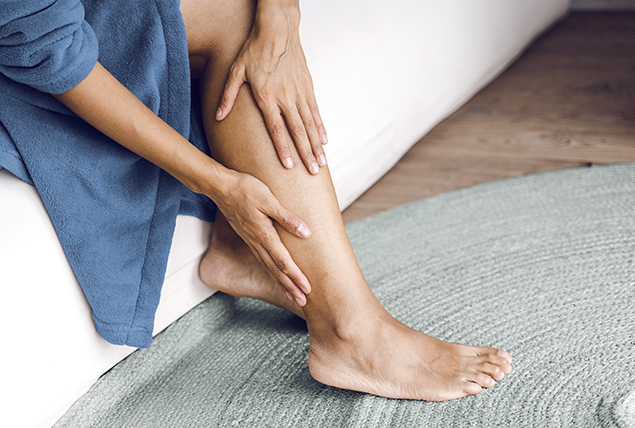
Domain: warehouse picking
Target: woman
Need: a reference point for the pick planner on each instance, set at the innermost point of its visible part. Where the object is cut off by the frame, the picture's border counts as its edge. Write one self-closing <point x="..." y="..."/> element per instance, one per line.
<point x="279" y="235"/>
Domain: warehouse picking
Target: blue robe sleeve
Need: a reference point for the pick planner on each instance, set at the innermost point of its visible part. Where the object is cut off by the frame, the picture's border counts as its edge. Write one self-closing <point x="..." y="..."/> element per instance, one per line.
<point x="46" y="44"/>
<point x="113" y="211"/>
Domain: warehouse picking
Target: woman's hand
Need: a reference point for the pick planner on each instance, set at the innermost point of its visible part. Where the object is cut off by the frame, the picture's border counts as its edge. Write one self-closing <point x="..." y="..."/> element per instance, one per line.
<point x="246" y="202"/>
<point x="272" y="62"/>
<point x="250" y="208"/>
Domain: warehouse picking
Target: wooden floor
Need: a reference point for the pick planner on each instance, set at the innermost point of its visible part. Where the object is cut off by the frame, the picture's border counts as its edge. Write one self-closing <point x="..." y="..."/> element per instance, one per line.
<point x="569" y="101"/>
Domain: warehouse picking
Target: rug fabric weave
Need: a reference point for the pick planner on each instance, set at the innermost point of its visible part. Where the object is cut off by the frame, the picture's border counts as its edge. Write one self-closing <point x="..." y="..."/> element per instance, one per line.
<point x="542" y="266"/>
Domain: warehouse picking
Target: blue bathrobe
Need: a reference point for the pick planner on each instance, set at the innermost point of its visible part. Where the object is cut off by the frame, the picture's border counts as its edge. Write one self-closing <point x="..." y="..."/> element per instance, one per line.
<point x="113" y="211"/>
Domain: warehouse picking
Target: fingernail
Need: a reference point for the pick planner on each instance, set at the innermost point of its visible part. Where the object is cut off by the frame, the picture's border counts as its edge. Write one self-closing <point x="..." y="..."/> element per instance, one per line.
<point x="219" y="112"/>
<point x="288" y="163"/>
<point x="289" y="296"/>
<point x="323" y="139"/>
<point x="301" y="301"/>
<point x="305" y="288"/>
<point x="304" y="231"/>
<point x="315" y="169"/>
<point x="322" y="160"/>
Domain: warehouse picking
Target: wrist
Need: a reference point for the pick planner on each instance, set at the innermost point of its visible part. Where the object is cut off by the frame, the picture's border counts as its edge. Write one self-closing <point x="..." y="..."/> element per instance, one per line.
<point x="292" y="4"/>
<point x="212" y="180"/>
<point x="276" y="14"/>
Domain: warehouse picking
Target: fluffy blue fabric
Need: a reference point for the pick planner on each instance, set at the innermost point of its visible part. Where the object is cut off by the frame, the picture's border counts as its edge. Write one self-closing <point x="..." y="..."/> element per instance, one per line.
<point x="113" y="211"/>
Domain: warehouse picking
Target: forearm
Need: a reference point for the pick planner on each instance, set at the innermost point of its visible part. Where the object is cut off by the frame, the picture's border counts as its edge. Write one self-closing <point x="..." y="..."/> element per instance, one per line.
<point x="277" y="14"/>
<point x="111" y="108"/>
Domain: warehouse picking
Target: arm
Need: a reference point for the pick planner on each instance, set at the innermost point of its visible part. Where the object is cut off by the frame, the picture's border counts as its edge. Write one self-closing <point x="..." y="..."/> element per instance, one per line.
<point x="108" y="106"/>
<point x="272" y="62"/>
<point x="246" y="202"/>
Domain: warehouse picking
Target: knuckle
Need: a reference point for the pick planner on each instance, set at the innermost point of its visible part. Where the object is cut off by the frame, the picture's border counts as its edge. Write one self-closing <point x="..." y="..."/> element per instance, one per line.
<point x="309" y="124"/>
<point x="282" y="265"/>
<point x="238" y="66"/>
<point x="277" y="129"/>
<point x="269" y="206"/>
<point x="297" y="130"/>
<point x="288" y="221"/>
<point x="263" y="234"/>
<point x="273" y="268"/>
<point x="307" y="78"/>
<point x="265" y="93"/>
<point x="284" y="151"/>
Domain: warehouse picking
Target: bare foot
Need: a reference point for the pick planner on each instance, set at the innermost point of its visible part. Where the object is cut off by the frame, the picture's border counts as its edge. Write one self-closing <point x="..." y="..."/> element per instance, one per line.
<point x="230" y="266"/>
<point x="391" y="360"/>
<point x="381" y="356"/>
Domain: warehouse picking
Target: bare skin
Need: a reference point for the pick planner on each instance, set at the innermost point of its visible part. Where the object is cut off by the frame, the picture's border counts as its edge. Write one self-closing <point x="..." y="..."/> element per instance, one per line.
<point x="287" y="215"/>
<point x="230" y="266"/>
<point x="355" y="343"/>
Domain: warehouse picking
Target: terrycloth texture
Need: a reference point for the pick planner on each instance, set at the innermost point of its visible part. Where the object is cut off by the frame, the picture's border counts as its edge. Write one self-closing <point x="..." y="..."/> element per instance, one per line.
<point x="542" y="266"/>
<point x="46" y="44"/>
<point x="113" y="211"/>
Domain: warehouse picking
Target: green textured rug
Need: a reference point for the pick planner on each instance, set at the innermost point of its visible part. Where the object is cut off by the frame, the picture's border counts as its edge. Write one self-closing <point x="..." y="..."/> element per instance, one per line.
<point x="542" y="266"/>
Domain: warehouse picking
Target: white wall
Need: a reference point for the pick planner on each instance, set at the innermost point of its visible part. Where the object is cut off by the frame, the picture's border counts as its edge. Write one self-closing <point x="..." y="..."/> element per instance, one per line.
<point x="603" y="5"/>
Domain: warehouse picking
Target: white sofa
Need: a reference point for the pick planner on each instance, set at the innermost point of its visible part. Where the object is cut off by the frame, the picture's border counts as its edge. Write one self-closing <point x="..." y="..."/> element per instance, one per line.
<point x="385" y="73"/>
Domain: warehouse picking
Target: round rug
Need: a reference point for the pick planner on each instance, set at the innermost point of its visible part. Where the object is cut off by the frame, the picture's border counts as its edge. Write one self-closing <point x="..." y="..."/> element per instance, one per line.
<point x="542" y="266"/>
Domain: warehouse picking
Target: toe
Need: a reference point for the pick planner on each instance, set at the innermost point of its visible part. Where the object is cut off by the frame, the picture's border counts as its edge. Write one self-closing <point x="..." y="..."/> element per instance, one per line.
<point x="487" y="350"/>
<point x="501" y="362"/>
<point x="472" y="388"/>
<point x="492" y="370"/>
<point x="484" y="380"/>
<point x="505" y="355"/>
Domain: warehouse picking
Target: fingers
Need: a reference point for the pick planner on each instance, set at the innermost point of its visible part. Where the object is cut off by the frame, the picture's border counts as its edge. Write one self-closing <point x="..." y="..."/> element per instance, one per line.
<point x="282" y="267"/>
<point x="280" y="255"/>
<point x="315" y="111"/>
<point x="277" y="130"/>
<point x="290" y="222"/>
<point x="310" y="124"/>
<point x="303" y="130"/>
<point x="310" y="116"/>
<point x="253" y="222"/>
<point x="277" y="260"/>
<point x="298" y="133"/>
<point x="296" y="118"/>
<point x="235" y="80"/>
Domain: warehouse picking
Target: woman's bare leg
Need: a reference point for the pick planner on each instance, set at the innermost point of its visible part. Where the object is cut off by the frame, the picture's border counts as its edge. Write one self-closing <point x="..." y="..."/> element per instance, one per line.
<point x="355" y="343"/>
<point x="230" y="266"/>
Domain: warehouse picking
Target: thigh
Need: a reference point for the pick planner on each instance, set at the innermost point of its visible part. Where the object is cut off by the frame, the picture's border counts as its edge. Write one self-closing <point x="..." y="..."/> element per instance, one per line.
<point x="215" y="29"/>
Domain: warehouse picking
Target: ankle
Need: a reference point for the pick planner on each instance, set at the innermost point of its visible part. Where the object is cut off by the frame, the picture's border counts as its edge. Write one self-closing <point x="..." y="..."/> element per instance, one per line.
<point x="347" y="327"/>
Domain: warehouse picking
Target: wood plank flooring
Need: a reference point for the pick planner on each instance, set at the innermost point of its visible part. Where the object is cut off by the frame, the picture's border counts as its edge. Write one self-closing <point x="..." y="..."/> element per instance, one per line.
<point x="569" y="101"/>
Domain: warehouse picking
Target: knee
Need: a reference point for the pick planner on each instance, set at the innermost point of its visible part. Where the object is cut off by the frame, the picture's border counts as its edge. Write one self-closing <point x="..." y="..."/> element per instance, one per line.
<point x="216" y="29"/>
